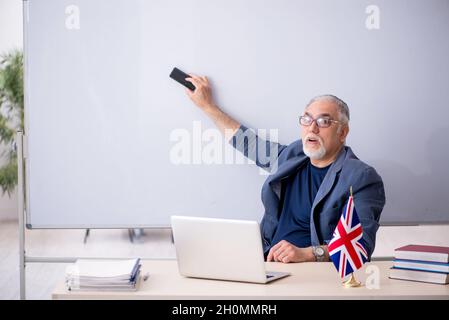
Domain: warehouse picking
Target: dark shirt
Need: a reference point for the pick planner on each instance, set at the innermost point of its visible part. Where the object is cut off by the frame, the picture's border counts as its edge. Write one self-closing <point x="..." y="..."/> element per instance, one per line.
<point x="299" y="191"/>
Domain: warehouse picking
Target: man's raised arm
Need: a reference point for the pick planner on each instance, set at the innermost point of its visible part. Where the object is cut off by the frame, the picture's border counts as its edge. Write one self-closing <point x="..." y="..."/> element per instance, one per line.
<point x="263" y="153"/>
<point x="202" y="97"/>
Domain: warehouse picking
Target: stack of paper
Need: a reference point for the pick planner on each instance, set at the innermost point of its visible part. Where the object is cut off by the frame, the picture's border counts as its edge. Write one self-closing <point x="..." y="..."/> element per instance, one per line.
<point x="102" y="275"/>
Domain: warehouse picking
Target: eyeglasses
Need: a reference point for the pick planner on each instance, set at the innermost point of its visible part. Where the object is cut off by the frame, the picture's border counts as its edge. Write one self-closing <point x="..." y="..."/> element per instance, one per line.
<point x="321" y="122"/>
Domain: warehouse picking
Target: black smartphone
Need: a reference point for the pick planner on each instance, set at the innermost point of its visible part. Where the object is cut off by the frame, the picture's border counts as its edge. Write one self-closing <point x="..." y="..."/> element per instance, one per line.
<point x="180" y="76"/>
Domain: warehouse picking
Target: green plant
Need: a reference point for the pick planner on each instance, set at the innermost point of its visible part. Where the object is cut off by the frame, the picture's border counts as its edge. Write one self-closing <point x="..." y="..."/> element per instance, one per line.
<point x="11" y="115"/>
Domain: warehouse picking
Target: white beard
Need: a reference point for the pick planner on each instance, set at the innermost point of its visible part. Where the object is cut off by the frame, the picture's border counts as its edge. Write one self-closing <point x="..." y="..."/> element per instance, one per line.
<point x="315" y="154"/>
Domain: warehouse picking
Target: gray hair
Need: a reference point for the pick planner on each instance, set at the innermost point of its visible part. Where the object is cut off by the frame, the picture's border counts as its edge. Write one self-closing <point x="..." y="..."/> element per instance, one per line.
<point x="342" y="107"/>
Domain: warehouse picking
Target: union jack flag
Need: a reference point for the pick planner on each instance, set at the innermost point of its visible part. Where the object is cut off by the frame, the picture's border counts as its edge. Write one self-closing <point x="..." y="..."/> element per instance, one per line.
<point x="347" y="249"/>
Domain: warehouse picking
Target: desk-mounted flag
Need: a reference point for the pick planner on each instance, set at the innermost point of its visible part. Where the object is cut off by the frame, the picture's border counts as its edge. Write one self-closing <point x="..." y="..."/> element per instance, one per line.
<point x="346" y="249"/>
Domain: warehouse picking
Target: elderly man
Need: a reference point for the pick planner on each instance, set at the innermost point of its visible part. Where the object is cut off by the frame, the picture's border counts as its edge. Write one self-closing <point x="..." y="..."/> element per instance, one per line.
<point x="305" y="196"/>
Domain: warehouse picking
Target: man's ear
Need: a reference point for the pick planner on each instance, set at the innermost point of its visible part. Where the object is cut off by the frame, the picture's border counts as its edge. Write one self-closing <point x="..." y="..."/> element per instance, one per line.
<point x="344" y="133"/>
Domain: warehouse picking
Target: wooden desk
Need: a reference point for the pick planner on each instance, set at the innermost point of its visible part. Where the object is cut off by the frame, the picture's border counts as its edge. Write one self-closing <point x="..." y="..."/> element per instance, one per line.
<point x="308" y="281"/>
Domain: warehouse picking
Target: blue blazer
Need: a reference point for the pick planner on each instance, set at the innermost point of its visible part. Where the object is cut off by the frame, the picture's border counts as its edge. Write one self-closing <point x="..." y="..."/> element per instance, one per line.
<point x="346" y="171"/>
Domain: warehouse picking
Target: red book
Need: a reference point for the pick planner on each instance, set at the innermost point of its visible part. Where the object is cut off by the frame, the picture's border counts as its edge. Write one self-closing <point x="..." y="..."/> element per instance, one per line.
<point x="423" y="253"/>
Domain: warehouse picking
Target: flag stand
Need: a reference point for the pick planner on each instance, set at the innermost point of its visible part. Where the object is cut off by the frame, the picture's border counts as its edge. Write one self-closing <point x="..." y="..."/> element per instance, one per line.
<point x="352" y="282"/>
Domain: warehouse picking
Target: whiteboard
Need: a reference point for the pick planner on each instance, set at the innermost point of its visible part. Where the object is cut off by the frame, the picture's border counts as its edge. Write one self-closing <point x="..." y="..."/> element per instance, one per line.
<point x="104" y="121"/>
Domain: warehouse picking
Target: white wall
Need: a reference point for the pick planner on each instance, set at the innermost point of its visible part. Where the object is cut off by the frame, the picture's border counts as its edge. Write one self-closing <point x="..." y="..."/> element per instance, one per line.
<point x="11" y="29"/>
<point x="388" y="238"/>
<point x="11" y="34"/>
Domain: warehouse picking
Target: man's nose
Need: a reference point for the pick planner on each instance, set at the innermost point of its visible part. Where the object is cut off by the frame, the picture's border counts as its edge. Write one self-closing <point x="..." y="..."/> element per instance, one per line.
<point x="314" y="128"/>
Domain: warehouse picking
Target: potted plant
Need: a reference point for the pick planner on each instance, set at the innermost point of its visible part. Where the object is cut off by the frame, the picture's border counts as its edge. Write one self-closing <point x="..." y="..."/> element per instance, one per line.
<point x="11" y="116"/>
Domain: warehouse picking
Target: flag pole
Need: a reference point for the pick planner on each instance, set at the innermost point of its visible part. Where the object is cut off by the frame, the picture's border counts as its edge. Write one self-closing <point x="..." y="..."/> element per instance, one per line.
<point x="352" y="281"/>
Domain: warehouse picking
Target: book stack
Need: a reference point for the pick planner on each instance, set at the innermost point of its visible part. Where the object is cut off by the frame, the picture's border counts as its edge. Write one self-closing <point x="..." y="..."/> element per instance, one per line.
<point x="421" y="263"/>
<point x="103" y="275"/>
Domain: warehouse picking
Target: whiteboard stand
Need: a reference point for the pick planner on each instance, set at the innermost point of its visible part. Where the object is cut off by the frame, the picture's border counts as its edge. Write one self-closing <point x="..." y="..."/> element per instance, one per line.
<point x="21" y="212"/>
<point x="135" y="235"/>
<point x="86" y="235"/>
<point x="21" y="197"/>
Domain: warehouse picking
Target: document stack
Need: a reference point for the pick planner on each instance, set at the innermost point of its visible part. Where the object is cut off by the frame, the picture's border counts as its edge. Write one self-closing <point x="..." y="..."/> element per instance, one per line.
<point x="103" y="275"/>
<point x="421" y="263"/>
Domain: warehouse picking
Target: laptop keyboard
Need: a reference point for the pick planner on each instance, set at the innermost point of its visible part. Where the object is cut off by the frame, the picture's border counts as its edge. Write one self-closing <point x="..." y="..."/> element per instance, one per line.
<point x="269" y="276"/>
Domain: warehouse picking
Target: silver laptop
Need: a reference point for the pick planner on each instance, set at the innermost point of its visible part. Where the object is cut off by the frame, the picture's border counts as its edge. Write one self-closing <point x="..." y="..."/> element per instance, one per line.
<point x="220" y="249"/>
